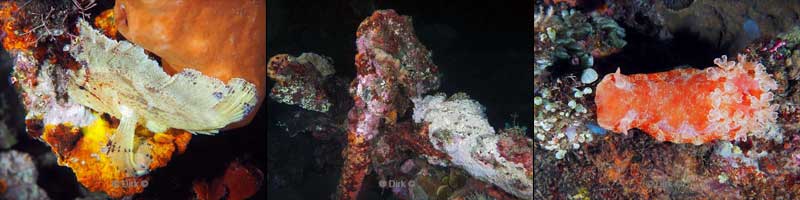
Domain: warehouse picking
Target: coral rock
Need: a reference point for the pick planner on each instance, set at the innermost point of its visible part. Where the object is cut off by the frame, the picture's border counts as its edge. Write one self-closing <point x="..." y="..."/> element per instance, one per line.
<point x="300" y="79"/>
<point x="18" y="176"/>
<point x="239" y="182"/>
<point x="725" y="102"/>
<point x="392" y="66"/>
<point x="105" y="22"/>
<point x="14" y="38"/>
<point x="8" y="138"/>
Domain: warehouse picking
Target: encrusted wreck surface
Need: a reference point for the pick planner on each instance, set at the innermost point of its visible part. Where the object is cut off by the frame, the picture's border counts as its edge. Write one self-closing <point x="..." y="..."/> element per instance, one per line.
<point x="391" y="66"/>
<point x="300" y="80"/>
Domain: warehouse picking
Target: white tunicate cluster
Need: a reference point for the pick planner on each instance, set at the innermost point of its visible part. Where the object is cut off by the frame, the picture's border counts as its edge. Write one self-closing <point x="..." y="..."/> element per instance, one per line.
<point x="542" y="18"/>
<point x="589" y="76"/>
<point x="722" y="178"/>
<point x="734" y="155"/>
<point x="560" y="124"/>
<point x="560" y="153"/>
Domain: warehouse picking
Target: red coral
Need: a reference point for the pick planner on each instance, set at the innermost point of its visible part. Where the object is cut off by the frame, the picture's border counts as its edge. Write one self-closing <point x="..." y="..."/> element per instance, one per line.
<point x="63" y="138"/>
<point x="242" y="181"/>
<point x="105" y="22"/>
<point x="208" y="191"/>
<point x="517" y="149"/>
<point x="3" y="186"/>
<point x="415" y="139"/>
<point x="355" y="167"/>
<point x="16" y="38"/>
<point x="571" y="3"/>
<point x="239" y="182"/>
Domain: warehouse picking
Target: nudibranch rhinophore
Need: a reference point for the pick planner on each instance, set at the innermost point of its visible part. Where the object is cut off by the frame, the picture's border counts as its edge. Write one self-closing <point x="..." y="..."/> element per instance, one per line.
<point x="119" y="79"/>
<point x="725" y="102"/>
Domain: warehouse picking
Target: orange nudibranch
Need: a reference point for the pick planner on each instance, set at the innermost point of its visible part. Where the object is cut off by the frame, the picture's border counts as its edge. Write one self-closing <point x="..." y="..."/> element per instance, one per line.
<point x="725" y="102"/>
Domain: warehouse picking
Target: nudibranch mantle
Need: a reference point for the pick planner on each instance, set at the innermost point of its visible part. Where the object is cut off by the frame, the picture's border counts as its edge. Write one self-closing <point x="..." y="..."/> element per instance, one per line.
<point x="725" y="102"/>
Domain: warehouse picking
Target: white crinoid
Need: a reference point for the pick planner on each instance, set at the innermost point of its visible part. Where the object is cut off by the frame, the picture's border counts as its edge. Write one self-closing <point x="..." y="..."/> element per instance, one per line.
<point x="118" y="78"/>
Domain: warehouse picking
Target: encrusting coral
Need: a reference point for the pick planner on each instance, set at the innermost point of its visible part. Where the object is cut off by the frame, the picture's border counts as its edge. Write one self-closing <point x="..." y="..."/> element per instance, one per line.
<point x="299" y="80"/>
<point x="84" y="150"/>
<point x="391" y="65"/>
<point x="727" y="102"/>
<point x="564" y="115"/>
<point x="105" y="22"/>
<point x="14" y="35"/>
<point x="18" y="176"/>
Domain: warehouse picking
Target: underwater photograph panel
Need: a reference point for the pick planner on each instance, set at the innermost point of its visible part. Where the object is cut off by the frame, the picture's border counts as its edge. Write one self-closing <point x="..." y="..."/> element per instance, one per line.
<point x="399" y="100"/>
<point x="133" y="99"/>
<point x="666" y="99"/>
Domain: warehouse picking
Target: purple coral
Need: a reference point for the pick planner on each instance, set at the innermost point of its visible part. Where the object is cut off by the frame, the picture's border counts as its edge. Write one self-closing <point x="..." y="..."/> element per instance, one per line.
<point x="18" y="174"/>
<point x="392" y="66"/>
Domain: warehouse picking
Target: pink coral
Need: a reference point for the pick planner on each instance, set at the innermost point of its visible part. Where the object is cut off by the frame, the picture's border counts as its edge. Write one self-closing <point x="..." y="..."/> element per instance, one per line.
<point x="391" y="67"/>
